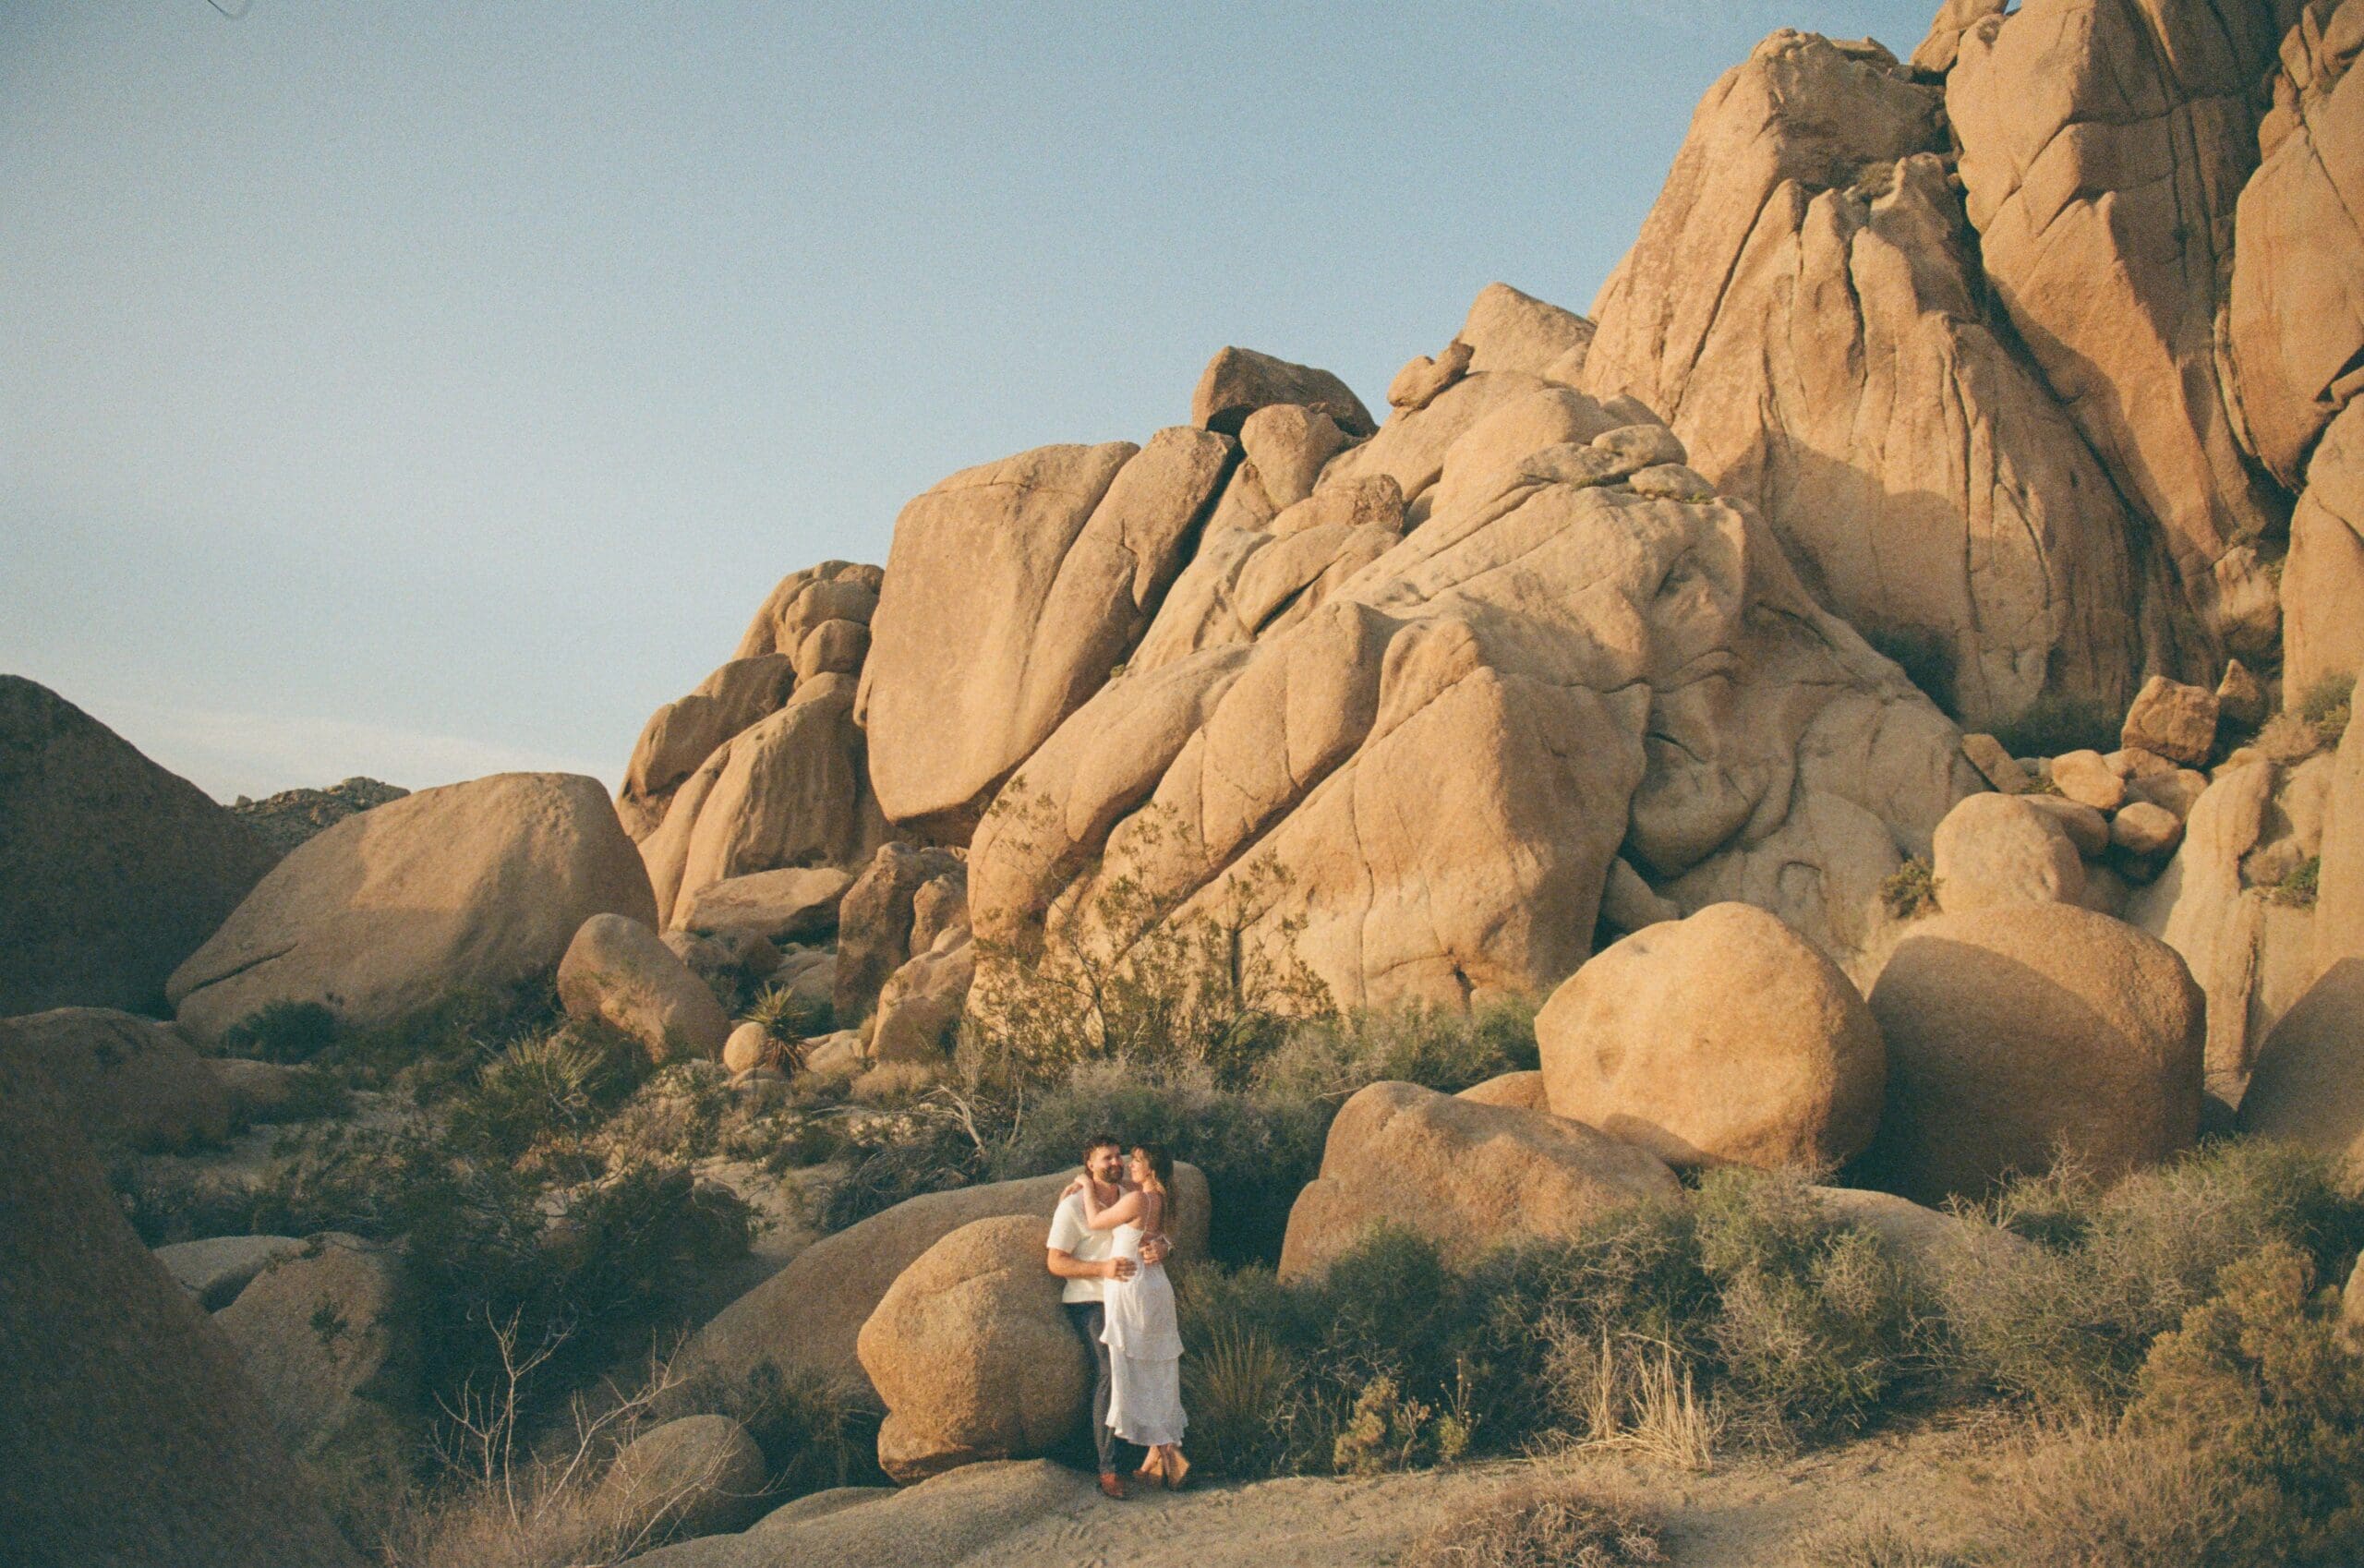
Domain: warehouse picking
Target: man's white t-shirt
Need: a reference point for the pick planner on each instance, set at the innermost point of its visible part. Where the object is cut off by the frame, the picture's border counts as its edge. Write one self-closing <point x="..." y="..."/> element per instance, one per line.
<point x="1069" y="1234"/>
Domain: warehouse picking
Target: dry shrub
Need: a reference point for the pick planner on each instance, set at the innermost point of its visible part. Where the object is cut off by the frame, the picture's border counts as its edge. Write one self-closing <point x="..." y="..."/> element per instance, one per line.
<point x="1639" y="1396"/>
<point x="1549" y="1524"/>
<point x="1873" y="1538"/>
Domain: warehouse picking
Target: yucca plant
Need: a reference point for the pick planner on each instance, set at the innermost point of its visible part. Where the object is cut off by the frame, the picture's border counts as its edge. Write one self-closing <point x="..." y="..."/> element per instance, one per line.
<point x="790" y="1020"/>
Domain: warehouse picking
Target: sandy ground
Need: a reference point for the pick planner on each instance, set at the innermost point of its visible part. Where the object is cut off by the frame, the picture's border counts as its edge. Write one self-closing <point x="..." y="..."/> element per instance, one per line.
<point x="1035" y="1514"/>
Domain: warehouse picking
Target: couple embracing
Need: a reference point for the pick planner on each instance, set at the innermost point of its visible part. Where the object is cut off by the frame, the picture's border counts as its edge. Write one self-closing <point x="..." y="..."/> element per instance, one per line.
<point x="1109" y="1243"/>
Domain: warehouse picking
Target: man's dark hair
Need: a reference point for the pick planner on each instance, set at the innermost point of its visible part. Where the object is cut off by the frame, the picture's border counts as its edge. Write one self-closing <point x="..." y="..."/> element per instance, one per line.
<point x="1102" y="1140"/>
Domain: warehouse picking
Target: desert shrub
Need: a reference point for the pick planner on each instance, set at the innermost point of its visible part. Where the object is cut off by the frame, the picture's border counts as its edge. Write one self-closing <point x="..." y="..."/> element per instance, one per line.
<point x="1257" y="1151"/>
<point x="1240" y="1384"/>
<point x="1117" y="976"/>
<point x="1911" y="890"/>
<point x="1328" y="1059"/>
<point x="888" y="1159"/>
<point x="282" y="1031"/>
<point x="2326" y="706"/>
<point x="2054" y="724"/>
<point x="1542" y="1524"/>
<point x="677" y="1115"/>
<point x="2066" y="1324"/>
<point x="789" y="1019"/>
<point x="2299" y="885"/>
<point x="545" y="1093"/>
<point x="1871" y="1538"/>
<point x="437" y="1050"/>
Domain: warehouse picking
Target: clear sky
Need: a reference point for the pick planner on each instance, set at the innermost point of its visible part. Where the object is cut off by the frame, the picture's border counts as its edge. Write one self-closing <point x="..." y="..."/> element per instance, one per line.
<point x="422" y="389"/>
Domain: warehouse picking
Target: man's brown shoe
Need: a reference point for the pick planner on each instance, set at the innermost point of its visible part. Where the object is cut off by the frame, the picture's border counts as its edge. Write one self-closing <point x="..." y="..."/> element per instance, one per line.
<point x="1113" y="1483"/>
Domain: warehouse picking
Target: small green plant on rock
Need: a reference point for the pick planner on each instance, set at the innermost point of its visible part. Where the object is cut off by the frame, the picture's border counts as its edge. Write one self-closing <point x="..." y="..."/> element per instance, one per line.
<point x="1911" y="890"/>
<point x="2299" y="885"/>
<point x="2327" y="704"/>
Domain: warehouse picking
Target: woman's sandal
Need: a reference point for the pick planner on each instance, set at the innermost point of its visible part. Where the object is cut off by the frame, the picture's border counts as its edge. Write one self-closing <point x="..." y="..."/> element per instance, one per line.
<point x="1151" y="1471"/>
<point x="1178" y="1476"/>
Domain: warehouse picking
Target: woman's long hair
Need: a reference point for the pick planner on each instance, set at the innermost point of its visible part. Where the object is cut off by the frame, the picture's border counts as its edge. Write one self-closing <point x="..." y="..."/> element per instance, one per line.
<point x="1161" y="1172"/>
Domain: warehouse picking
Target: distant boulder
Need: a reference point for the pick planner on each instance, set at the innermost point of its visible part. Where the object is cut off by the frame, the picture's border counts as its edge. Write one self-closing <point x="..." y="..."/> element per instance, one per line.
<point x="116" y="869"/>
<point x="286" y="819"/>
<point x="474" y="886"/>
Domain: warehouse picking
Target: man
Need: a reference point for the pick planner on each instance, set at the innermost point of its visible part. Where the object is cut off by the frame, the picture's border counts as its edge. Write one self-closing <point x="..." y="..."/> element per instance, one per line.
<point x="1083" y="1257"/>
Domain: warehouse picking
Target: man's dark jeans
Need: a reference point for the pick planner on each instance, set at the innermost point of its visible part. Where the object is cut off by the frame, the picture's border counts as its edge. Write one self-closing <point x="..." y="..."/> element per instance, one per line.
<point x="1090" y="1318"/>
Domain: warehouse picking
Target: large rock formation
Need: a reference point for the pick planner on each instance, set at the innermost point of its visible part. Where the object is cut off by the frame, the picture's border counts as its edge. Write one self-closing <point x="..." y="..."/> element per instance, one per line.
<point x="471" y="885"/>
<point x="2103" y="146"/>
<point x="1802" y="308"/>
<point x="1725" y="1037"/>
<point x="116" y="869"/>
<point x="1467" y="1173"/>
<point x="1011" y="592"/>
<point x="1420" y="787"/>
<point x="972" y="1354"/>
<point x="132" y="1437"/>
<point x="2018" y="1033"/>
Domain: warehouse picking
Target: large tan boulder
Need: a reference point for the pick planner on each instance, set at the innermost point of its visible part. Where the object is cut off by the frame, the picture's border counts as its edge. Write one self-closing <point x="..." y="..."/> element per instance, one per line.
<point x="1466" y="1174"/>
<point x="684" y="733"/>
<point x="1419" y="790"/>
<point x="1800" y="305"/>
<point x="1012" y="590"/>
<point x="322" y="1335"/>
<point x="2294" y="310"/>
<point x="2308" y="1083"/>
<point x="476" y="885"/>
<point x="2102" y="147"/>
<point x="1238" y="381"/>
<point x="789" y="790"/>
<point x="128" y="1080"/>
<point x="1724" y="1038"/>
<point x="874" y="922"/>
<point x="617" y="972"/>
<point x="2322" y="577"/>
<point x="809" y="1315"/>
<point x="2171" y="719"/>
<point x="131" y="1436"/>
<point x="116" y="870"/>
<point x="1995" y="849"/>
<point x="920" y="1006"/>
<point x="1510" y="331"/>
<point x="974" y="1354"/>
<point x="2020" y="1033"/>
<point x="792" y="904"/>
<point x="691" y="1477"/>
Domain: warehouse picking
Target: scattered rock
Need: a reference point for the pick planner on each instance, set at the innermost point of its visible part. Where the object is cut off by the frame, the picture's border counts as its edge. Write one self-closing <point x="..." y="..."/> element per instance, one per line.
<point x="2240" y="696"/>
<point x="2179" y="789"/>
<point x="692" y="1477"/>
<point x="618" y="972"/>
<point x="1724" y="1038"/>
<point x="1449" y="1168"/>
<point x="1998" y="767"/>
<point x="974" y="1354"/>
<point x="1238" y="381"/>
<point x="133" y="866"/>
<point x="2085" y="779"/>
<point x="2173" y="719"/>
<point x="2016" y="1034"/>
<point x="320" y="1336"/>
<point x="2000" y="850"/>
<point x="215" y="1270"/>
<point x="2087" y="828"/>
<point x="794" y="904"/>
<point x="469" y="886"/>
<point x="2142" y="828"/>
<point x="750" y="1046"/>
<point x="286" y="819"/>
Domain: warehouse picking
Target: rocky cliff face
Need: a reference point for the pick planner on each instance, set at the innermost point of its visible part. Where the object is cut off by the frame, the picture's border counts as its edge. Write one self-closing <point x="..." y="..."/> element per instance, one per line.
<point x="1932" y="393"/>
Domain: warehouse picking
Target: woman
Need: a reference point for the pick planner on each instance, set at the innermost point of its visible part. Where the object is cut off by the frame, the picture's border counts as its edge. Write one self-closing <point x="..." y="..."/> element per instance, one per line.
<point x="1145" y="1345"/>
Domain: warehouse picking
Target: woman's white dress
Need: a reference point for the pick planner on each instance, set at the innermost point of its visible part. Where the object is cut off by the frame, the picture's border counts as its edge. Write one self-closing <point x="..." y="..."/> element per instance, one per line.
<point x="1145" y="1350"/>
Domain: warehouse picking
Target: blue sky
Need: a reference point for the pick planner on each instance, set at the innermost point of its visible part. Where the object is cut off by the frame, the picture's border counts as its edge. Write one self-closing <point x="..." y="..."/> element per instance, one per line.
<point x="422" y="390"/>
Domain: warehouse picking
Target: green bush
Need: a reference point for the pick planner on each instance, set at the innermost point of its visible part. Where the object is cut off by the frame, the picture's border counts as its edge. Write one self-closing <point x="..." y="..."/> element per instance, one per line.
<point x="888" y="1160"/>
<point x="1437" y="1047"/>
<point x="282" y="1031"/>
<point x="545" y="1093"/>
<point x="2327" y="704"/>
<point x="2054" y="724"/>
<point x="1911" y="890"/>
<point x="2066" y="1324"/>
<point x="2301" y="884"/>
<point x="438" y="1049"/>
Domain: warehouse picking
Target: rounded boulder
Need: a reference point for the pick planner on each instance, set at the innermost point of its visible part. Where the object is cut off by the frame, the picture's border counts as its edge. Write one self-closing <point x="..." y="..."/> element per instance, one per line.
<point x="1466" y="1174"/>
<point x="1992" y="850"/>
<point x="973" y="1353"/>
<point x="1725" y="1037"/>
<point x="693" y="1477"/>
<point x="618" y="971"/>
<point x="2017" y="1034"/>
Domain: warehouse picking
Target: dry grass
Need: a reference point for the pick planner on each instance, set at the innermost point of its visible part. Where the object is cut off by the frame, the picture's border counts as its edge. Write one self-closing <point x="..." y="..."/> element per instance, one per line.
<point x="1636" y="1395"/>
<point x="1556" y="1524"/>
